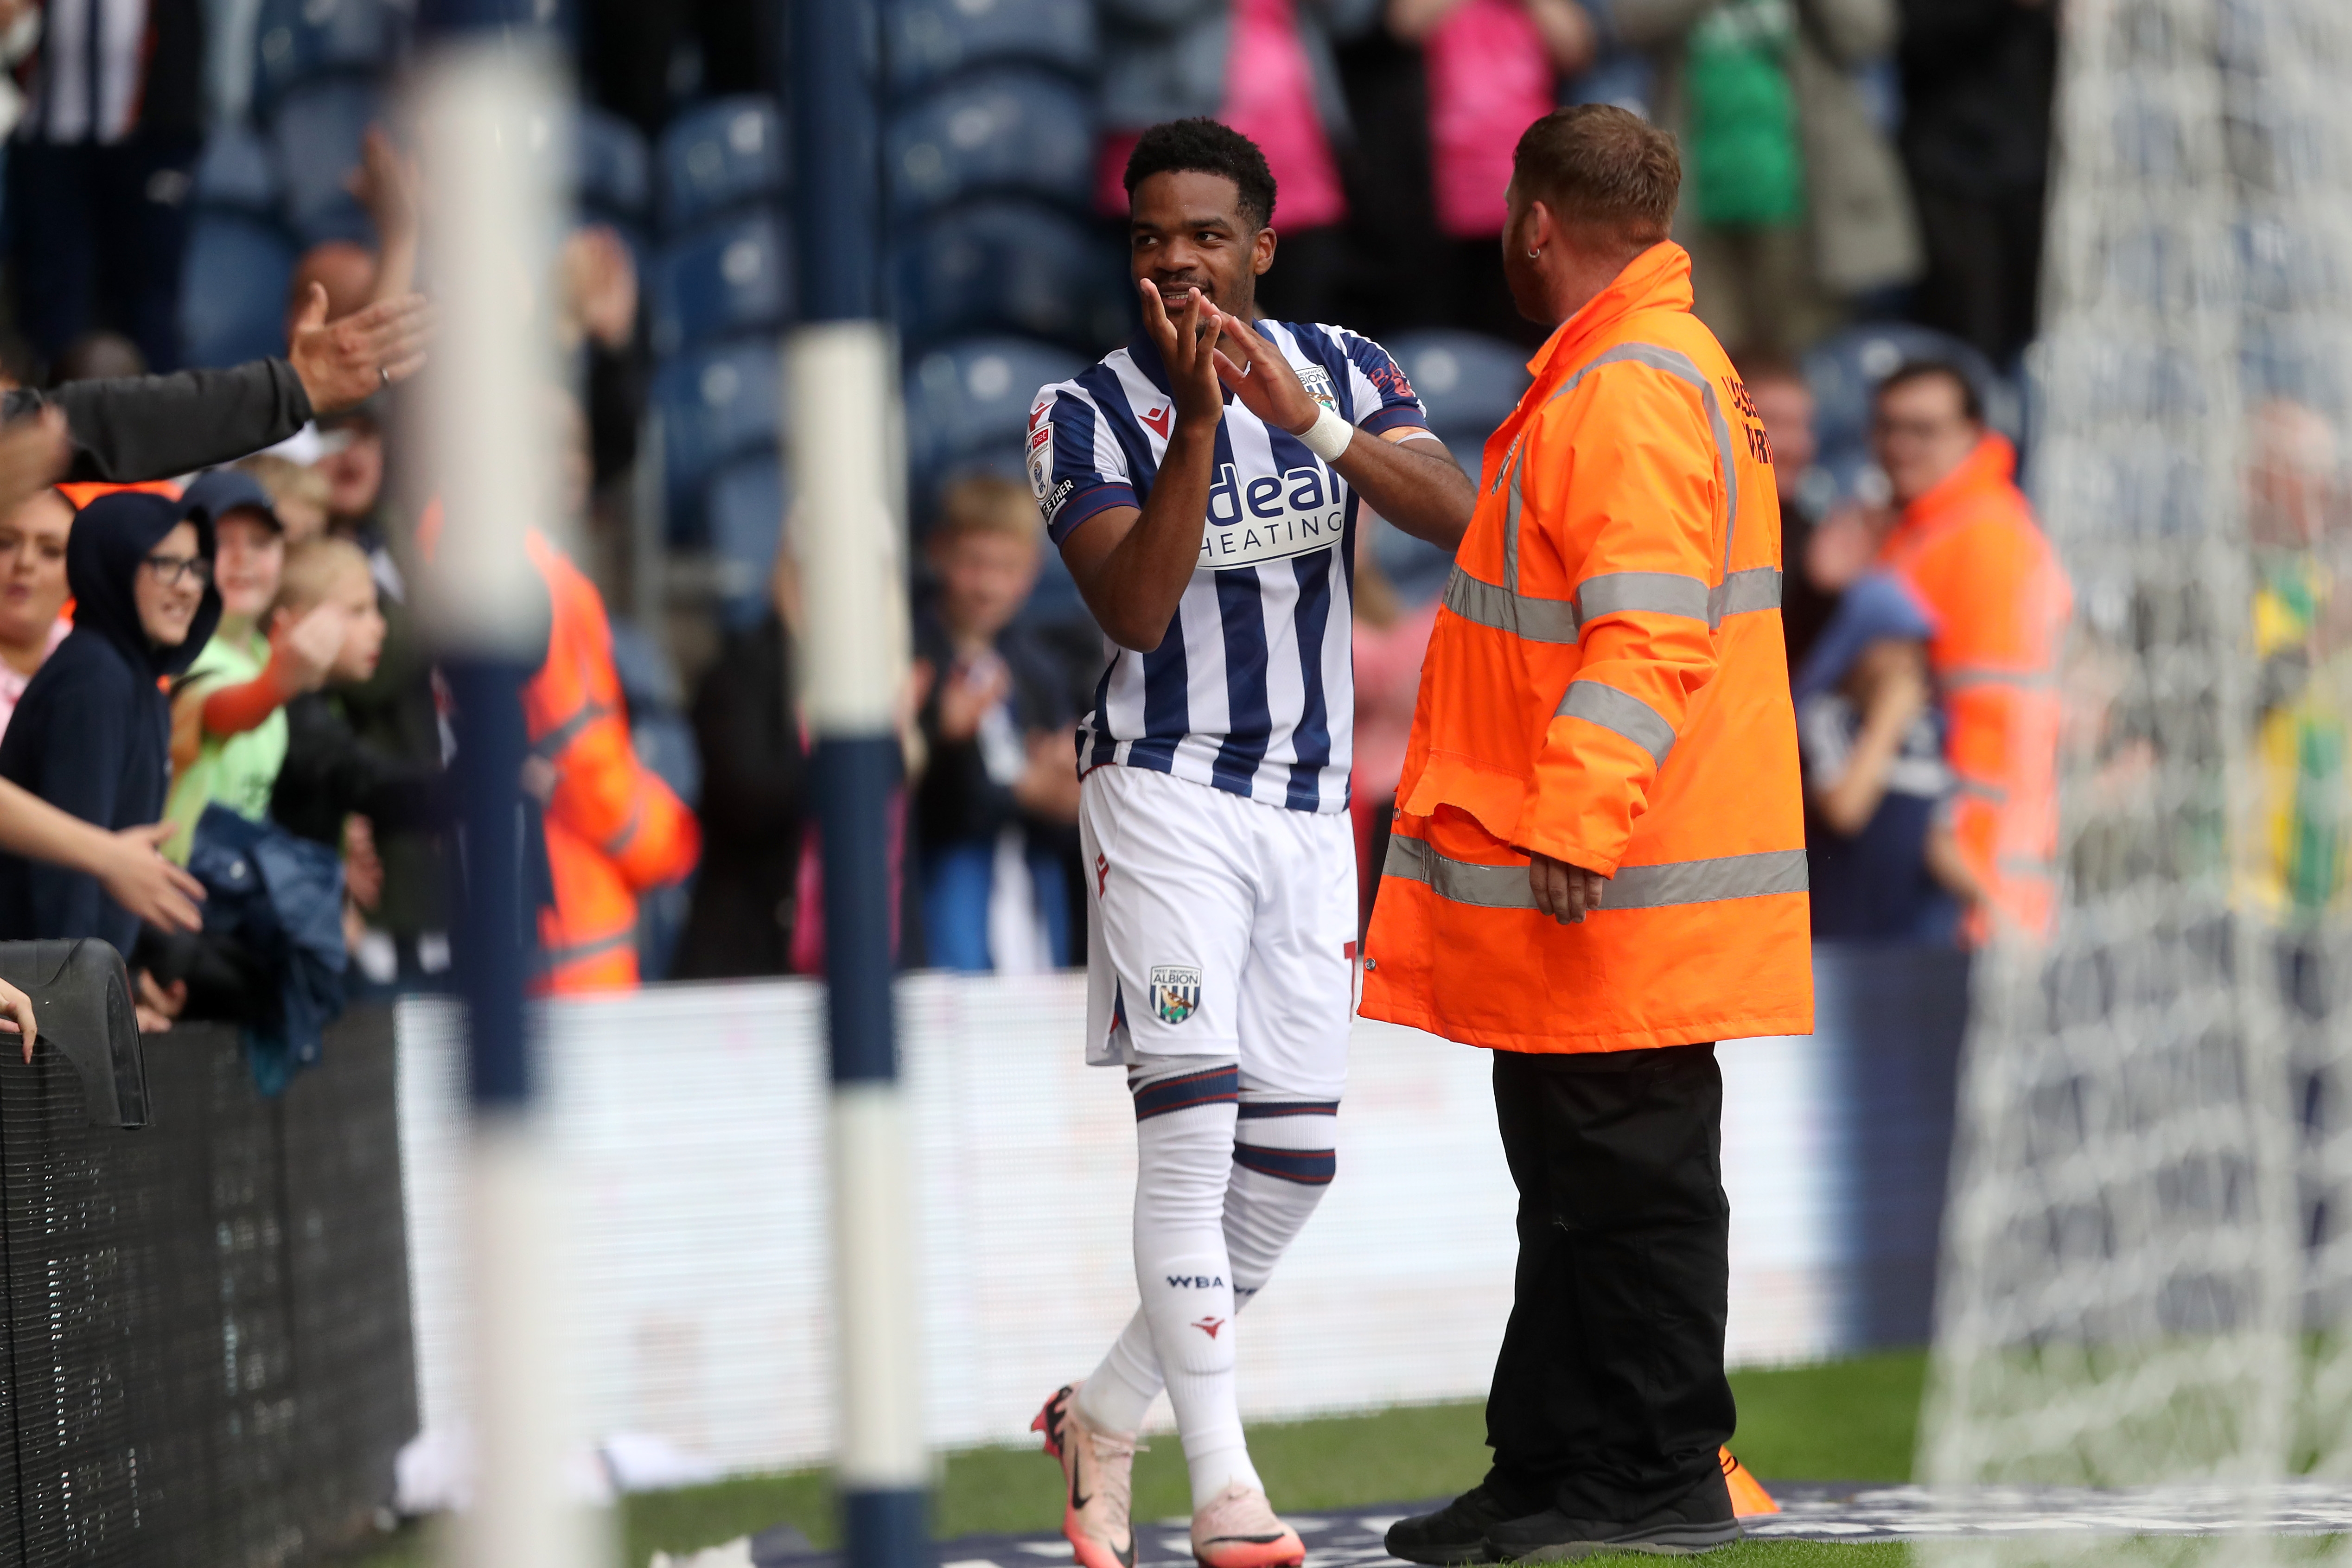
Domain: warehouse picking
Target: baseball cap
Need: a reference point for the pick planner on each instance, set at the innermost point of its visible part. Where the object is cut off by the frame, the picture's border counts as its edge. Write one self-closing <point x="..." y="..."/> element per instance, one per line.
<point x="224" y="491"/>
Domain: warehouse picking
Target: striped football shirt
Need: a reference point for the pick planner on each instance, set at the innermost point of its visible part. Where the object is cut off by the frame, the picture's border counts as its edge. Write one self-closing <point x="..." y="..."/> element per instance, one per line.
<point x="1253" y="690"/>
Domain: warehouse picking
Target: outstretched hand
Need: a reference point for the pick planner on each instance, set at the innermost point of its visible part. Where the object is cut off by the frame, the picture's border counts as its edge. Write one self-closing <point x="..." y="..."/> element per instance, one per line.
<point x="1187" y="342"/>
<point x="137" y="877"/>
<point x="343" y="362"/>
<point x="1261" y="378"/>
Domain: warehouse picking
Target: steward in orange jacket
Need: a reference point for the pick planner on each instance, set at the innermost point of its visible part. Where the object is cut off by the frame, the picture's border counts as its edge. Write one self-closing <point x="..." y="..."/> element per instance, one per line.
<point x="613" y="828"/>
<point x="1607" y="685"/>
<point x="1968" y="548"/>
<point x="1598" y="862"/>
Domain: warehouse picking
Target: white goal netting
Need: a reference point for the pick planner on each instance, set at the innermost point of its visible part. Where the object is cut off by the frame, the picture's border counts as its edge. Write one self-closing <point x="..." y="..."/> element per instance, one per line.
<point x="2147" y="1277"/>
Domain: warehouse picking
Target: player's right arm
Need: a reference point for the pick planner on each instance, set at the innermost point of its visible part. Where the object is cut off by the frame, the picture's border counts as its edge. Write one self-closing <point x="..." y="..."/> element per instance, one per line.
<point x="1131" y="563"/>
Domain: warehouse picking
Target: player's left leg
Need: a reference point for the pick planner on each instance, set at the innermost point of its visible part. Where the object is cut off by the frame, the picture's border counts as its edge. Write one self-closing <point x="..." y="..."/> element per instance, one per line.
<point x="1285" y="1152"/>
<point x="1298" y="1002"/>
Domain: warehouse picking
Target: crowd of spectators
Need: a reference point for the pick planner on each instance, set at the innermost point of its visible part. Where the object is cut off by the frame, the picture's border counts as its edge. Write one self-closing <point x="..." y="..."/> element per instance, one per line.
<point x="1863" y="189"/>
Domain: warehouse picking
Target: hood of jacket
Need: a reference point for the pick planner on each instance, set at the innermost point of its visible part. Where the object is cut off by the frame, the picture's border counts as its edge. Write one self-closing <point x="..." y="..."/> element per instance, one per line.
<point x="112" y="536"/>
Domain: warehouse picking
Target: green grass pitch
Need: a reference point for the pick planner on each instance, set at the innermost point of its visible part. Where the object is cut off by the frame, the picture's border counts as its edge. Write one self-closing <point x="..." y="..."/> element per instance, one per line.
<point x="1849" y="1421"/>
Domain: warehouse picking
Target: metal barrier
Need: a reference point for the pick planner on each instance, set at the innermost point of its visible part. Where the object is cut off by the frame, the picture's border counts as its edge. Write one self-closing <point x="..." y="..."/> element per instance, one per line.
<point x="206" y="1327"/>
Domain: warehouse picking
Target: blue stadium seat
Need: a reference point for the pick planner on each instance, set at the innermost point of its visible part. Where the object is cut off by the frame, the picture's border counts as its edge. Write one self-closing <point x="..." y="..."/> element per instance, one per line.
<point x="970" y="399"/>
<point x="732" y="278"/>
<point x="612" y="172"/>
<point x="931" y="40"/>
<point x="1006" y="131"/>
<point x="317" y="134"/>
<point x="715" y="405"/>
<point x="728" y="153"/>
<point x="237" y="173"/>
<point x="1845" y="371"/>
<point x="296" y="41"/>
<point x="746" y="505"/>
<point x="1010" y="266"/>
<point x="1468" y="382"/>
<point x="233" y="288"/>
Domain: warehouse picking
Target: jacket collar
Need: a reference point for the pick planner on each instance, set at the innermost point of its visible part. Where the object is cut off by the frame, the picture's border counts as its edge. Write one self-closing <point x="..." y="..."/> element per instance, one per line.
<point x="1657" y="280"/>
<point x="1990" y="466"/>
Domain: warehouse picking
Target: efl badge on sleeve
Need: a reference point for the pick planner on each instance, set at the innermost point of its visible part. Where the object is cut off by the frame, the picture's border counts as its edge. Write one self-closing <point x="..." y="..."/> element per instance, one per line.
<point x="1175" y="993"/>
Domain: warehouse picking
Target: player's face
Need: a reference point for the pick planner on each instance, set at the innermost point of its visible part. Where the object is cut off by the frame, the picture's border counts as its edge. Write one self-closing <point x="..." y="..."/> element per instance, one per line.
<point x="1186" y="230"/>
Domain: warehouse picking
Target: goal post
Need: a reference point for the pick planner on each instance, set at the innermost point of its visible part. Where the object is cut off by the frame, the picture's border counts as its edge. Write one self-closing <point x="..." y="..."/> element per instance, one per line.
<point x="2140" y="1211"/>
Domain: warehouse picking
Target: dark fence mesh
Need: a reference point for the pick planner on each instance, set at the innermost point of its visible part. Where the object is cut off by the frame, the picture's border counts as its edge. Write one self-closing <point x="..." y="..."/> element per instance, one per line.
<point x="207" y="1340"/>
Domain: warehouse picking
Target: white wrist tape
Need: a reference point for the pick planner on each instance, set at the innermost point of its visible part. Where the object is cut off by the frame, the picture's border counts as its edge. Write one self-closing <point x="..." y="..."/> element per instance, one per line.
<point x="1329" y="435"/>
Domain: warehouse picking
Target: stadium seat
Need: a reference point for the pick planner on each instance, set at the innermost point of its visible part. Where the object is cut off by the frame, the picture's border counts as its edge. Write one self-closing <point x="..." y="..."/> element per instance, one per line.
<point x="1005" y="131"/>
<point x="969" y="399"/>
<point x="728" y="153"/>
<point x="1465" y="380"/>
<point x="931" y="40"/>
<point x="717" y="404"/>
<point x="316" y="134"/>
<point x="1010" y="266"/>
<point x="233" y="288"/>
<point x="612" y="172"/>
<point x="1845" y="370"/>
<point x="237" y="173"/>
<point x="746" y="506"/>
<point x="733" y="277"/>
<point x="297" y="41"/>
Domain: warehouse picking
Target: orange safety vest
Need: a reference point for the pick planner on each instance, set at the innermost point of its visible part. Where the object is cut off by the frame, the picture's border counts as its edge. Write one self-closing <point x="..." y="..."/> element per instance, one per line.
<point x="613" y="827"/>
<point x="1972" y="555"/>
<point x="1606" y="685"/>
<point x="80" y="493"/>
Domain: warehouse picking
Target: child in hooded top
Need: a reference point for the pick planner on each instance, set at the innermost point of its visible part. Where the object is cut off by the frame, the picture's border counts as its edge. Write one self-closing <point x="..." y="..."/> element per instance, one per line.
<point x="91" y="735"/>
<point x="228" y="726"/>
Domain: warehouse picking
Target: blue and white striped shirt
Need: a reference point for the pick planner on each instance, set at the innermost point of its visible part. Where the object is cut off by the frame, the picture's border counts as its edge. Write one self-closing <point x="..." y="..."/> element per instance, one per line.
<point x="1253" y="691"/>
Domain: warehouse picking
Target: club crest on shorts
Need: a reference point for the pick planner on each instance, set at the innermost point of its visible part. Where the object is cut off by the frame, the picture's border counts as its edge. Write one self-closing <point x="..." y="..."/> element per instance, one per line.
<point x="1175" y="993"/>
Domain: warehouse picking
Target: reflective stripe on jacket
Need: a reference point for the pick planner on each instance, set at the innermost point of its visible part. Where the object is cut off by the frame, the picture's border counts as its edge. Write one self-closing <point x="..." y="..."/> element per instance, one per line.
<point x="613" y="828"/>
<point x="1607" y="686"/>
<point x="1972" y="555"/>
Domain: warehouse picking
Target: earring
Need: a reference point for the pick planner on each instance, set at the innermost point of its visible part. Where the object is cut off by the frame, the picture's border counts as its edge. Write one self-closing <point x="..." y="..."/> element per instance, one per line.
<point x="1536" y="252"/>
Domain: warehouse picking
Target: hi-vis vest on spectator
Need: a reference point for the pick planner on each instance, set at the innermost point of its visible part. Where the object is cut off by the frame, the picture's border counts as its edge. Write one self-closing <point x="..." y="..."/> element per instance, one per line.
<point x="1971" y="554"/>
<point x="613" y="828"/>
<point x="1607" y="685"/>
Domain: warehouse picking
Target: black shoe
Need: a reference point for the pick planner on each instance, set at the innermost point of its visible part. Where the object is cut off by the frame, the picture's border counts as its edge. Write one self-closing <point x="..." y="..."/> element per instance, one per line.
<point x="1455" y="1533"/>
<point x="1700" y="1520"/>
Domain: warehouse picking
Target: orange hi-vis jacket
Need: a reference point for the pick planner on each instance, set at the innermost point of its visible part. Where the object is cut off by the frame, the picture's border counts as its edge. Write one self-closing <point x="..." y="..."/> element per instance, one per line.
<point x="1973" y="557"/>
<point x="613" y="828"/>
<point x="1606" y="685"/>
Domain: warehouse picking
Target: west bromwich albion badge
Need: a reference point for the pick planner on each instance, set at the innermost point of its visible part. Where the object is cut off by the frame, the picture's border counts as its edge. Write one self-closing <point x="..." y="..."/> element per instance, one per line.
<point x="1317" y="382"/>
<point x="1175" y="993"/>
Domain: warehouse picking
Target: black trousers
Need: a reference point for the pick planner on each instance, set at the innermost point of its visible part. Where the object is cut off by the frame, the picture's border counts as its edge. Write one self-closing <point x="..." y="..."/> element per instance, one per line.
<point x="1610" y="1399"/>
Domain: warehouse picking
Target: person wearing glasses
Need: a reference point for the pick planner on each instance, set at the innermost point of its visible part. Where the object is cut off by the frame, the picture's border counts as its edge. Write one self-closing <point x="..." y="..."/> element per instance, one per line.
<point x="91" y="734"/>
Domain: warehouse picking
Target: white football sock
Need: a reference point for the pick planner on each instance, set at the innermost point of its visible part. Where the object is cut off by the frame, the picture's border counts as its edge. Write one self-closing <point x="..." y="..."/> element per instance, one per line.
<point x="1184" y="1115"/>
<point x="1282" y="1161"/>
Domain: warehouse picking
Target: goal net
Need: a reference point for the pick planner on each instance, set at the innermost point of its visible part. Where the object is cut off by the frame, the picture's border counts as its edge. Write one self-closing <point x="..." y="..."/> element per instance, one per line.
<point x="2149" y="1247"/>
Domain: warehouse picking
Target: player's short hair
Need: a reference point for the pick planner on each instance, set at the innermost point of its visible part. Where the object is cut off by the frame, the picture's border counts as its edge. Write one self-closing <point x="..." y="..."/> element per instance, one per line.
<point x="986" y="503"/>
<point x="285" y="479"/>
<point x="1203" y="146"/>
<point x="312" y="570"/>
<point x="1919" y="369"/>
<point x="1603" y="167"/>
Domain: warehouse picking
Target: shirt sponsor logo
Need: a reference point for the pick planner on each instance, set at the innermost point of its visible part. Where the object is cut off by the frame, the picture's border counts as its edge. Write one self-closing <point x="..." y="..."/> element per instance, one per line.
<point x="1271" y="517"/>
<point x="1175" y="993"/>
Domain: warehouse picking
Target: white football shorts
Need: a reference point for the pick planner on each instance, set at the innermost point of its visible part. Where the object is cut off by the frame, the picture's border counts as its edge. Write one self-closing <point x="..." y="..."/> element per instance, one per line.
<point x="1219" y="926"/>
